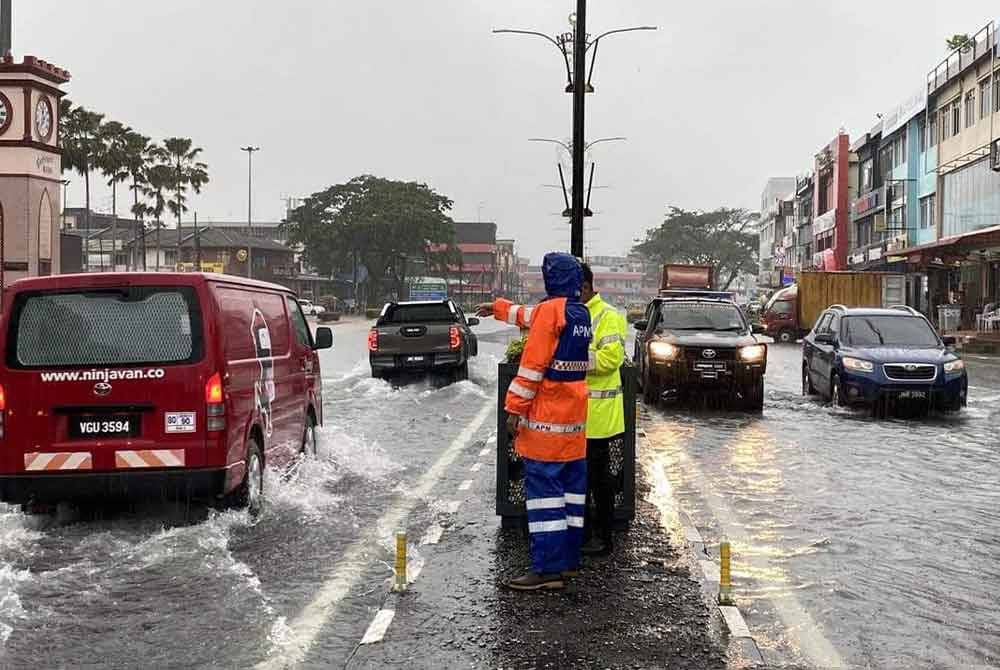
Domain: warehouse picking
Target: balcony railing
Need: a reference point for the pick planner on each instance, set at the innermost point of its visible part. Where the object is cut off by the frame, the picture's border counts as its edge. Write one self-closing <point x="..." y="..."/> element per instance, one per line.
<point x="960" y="60"/>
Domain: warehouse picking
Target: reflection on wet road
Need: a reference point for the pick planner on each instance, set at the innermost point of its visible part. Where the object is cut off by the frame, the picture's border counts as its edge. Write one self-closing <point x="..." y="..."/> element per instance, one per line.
<point x="192" y="588"/>
<point x="857" y="542"/>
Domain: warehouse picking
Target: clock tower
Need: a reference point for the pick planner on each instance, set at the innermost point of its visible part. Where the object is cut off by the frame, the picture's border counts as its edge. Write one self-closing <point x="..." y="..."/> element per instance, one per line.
<point x="30" y="167"/>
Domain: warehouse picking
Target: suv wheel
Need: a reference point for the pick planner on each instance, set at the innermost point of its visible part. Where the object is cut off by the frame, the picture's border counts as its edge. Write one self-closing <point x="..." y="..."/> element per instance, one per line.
<point x="786" y="336"/>
<point x="461" y="373"/>
<point x="308" y="448"/>
<point x="753" y="396"/>
<point x="649" y="395"/>
<point x="836" y="394"/>
<point x="807" y="384"/>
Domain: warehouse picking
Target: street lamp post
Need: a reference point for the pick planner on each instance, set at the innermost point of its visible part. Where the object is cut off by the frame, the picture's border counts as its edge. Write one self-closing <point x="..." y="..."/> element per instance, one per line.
<point x="250" y="149"/>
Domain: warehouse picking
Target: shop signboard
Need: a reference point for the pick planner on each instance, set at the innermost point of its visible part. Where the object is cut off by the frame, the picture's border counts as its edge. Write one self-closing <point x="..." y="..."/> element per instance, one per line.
<point x="825" y="222"/>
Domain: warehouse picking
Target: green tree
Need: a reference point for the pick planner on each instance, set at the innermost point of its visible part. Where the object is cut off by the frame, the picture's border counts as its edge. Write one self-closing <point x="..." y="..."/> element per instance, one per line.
<point x="961" y="41"/>
<point x="723" y="238"/>
<point x="159" y="181"/>
<point x="114" y="164"/>
<point x="137" y="163"/>
<point x="82" y="149"/>
<point x="377" y="222"/>
<point x="189" y="173"/>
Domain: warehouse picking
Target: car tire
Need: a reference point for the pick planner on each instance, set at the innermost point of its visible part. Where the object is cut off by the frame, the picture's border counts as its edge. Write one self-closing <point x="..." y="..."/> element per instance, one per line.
<point x="836" y="395"/>
<point x="753" y="396"/>
<point x="461" y="373"/>
<point x="807" y="385"/>
<point x="649" y="394"/>
<point x="309" y="441"/>
<point x="249" y="495"/>
<point x="786" y="336"/>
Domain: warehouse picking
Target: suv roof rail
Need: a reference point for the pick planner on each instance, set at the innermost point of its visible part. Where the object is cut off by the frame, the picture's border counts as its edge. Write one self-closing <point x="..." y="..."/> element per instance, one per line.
<point x="906" y="308"/>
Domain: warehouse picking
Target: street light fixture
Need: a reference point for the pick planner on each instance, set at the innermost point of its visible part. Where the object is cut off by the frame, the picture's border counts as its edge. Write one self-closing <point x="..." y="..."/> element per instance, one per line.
<point x="250" y="149"/>
<point x="568" y="212"/>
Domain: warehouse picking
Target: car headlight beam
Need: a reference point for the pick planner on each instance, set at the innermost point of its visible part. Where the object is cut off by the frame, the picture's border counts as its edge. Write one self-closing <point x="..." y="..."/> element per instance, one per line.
<point x="663" y="351"/>
<point x="753" y="353"/>
<point x="858" y="365"/>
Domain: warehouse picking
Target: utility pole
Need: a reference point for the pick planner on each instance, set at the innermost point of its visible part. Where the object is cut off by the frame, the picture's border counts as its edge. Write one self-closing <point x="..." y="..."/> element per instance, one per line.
<point x="579" y="139"/>
<point x="5" y="28"/>
<point x="250" y="149"/>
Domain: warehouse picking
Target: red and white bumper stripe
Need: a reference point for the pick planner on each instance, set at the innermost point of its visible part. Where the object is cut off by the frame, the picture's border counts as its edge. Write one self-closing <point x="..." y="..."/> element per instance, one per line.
<point x="151" y="458"/>
<point x="73" y="460"/>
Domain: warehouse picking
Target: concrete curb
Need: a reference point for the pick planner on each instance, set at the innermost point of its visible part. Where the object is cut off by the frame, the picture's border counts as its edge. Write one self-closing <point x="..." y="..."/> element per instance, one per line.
<point x="735" y="623"/>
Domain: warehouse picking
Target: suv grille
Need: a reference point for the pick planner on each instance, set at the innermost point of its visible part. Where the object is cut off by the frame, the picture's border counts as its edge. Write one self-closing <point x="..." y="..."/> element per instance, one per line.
<point x="907" y="372"/>
<point x="698" y="354"/>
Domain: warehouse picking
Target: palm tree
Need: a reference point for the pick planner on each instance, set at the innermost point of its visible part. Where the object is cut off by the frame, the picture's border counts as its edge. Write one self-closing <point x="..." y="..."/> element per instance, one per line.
<point x="82" y="147"/>
<point x="114" y="165"/>
<point x="159" y="180"/>
<point x="189" y="172"/>
<point x="137" y="160"/>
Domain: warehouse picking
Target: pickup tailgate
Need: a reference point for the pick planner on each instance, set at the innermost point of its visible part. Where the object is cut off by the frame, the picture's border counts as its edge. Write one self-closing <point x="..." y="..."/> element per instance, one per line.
<point x="414" y="338"/>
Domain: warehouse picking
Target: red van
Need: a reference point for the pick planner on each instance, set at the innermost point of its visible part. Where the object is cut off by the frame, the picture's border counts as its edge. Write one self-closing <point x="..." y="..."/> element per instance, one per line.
<point x="150" y="385"/>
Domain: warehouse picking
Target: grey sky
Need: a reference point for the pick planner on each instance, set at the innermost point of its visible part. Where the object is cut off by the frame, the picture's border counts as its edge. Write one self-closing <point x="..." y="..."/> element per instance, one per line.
<point x="724" y="95"/>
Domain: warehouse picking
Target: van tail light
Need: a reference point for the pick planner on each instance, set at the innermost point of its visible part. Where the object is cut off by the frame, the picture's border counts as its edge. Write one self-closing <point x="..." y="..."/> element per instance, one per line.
<point x="215" y="404"/>
<point x="454" y="338"/>
<point x="373" y="340"/>
<point x="3" y="410"/>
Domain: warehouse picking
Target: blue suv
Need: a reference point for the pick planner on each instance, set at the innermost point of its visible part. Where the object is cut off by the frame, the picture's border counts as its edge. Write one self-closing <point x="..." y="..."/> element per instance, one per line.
<point x="882" y="357"/>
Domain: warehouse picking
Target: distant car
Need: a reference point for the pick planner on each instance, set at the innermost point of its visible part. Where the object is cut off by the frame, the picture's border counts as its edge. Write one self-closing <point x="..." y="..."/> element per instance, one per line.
<point x="635" y="311"/>
<point x="696" y="343"/>
<point x="422" y="336"/>
<point x="880" y="357"/>
<point x="310" y="309"/>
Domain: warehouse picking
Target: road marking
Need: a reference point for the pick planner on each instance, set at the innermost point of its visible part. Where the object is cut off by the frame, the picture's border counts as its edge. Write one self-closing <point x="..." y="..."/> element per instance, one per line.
<point x="308" y="625"/>
<point x="378" y="627"/>
<point x="453" y="506"/>
<point x="433" y="535"/>
<point x="798" y="622"/>
<point x="466" y="485"/>
<point x="486" y="452"/>
<point x="734" y="620"/>
<point x="477" y="467"/>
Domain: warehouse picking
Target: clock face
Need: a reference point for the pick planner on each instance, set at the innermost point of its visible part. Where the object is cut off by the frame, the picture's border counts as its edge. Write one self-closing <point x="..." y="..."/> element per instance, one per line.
<point x="6" y="113"/>
<point x="43" y="119"/>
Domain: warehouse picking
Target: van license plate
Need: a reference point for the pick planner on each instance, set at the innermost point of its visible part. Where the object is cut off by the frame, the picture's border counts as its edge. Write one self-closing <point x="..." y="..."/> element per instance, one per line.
<point x="104" y="426"/>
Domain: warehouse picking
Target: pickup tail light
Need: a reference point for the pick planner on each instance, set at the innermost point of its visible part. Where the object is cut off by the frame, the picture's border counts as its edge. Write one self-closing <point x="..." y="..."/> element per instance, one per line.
<point x="215" y="405"/>
<point x="454" y="338"/>
<point x="373" y="340"/>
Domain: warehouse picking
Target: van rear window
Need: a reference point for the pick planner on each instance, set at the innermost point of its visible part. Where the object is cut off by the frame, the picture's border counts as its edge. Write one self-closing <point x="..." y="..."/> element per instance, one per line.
<point x="128" y="326"/>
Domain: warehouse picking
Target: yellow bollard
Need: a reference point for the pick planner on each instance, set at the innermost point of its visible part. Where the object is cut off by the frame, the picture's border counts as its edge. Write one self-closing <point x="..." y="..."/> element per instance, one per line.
<point x="400" y="583"/>
<point x="725" y="573"/>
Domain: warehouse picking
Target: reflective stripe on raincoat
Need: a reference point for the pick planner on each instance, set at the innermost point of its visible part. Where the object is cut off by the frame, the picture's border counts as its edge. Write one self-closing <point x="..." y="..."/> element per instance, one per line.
<point x="606" y="411"/>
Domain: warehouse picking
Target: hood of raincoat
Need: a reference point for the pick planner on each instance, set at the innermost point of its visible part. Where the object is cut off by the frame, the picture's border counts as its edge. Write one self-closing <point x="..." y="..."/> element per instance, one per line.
<point x="563" y="276"/>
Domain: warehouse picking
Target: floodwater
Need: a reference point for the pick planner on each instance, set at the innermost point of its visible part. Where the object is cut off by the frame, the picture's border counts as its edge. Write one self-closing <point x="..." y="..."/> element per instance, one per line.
<point x="179" y="587"/>
<point x="857" y="542"/>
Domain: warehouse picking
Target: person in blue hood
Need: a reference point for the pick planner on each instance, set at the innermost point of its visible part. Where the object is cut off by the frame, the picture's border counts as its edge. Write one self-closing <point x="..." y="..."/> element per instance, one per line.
<point x="546" y="406"/>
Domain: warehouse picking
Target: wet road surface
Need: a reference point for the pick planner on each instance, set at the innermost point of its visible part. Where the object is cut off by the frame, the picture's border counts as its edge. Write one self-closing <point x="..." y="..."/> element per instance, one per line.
<point x="857" y="542"/>
<point x="163" y="586"/>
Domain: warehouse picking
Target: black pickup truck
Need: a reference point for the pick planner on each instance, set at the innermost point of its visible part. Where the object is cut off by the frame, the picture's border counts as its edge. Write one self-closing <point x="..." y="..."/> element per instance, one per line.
<point x="699" y="343"/>
<point x="422" y="336"/>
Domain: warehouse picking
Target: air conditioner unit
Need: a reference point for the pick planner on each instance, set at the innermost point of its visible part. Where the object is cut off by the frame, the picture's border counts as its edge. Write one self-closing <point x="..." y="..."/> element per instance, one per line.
<point x="995" y="156"/>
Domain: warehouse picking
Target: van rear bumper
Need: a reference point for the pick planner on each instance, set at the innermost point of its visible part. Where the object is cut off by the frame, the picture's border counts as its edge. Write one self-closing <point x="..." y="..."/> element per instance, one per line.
<point x="155" y="485"/>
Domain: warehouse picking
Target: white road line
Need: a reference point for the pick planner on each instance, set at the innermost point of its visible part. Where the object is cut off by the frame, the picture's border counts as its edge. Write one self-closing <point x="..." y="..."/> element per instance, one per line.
<point x="734" y="620"/>
<point x="414" y="568"/>
<point x="453" y="506"/>
<point x="485" y="452"/>
<point x="433" y="535"/>
<point x="799" y="623"/>
<point x="378" y="627"/>
<point x="309" y="623"/>
<point x="466" y="485"/>
<point x="477" y="467"/>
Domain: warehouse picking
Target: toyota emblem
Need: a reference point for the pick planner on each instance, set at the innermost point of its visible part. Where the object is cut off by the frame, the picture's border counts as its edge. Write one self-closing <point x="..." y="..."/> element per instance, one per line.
<point x="102" y="389"/>
<point x="708" y="353"/>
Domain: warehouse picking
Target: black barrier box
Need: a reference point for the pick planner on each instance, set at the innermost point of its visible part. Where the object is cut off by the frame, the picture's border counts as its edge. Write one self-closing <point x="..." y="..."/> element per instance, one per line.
<point x="510" y="469"/>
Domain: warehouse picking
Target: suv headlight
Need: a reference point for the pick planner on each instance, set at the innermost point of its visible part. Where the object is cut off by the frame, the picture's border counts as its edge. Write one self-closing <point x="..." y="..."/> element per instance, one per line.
<point x="858" y="365"/>
<point x="663" y="351"/>
<point x="753" y="353"/>
<point x="954" y="366"/>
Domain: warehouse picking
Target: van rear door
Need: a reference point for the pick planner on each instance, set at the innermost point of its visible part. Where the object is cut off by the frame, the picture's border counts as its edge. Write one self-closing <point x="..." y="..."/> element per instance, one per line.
<point x="105" y="379"/>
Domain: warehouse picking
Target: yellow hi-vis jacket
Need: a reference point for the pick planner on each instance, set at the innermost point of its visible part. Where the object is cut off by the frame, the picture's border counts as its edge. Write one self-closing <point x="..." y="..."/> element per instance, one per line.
<point x="606" y="406"/>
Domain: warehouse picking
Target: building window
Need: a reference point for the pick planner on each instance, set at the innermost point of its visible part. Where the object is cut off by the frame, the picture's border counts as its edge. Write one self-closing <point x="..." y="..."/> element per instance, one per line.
<point x="922" y="134"/>
<point x="867" y="176"/>
<point x="996" y="93"/>
<point x="932" y="130"/>
<point x="945" y="122"/>
<point x="985" y="106"/>
<point x="927" y="209"/>
<point x="887" y="159"/>
<point x="970" y="109"/>
<point x="956" y="118"/>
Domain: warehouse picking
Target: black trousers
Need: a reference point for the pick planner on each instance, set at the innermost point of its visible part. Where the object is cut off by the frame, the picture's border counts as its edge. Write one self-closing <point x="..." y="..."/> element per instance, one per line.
<point x="601" y="489"/>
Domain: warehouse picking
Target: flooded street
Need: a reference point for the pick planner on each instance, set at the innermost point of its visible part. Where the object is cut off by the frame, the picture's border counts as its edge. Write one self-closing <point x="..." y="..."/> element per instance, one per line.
<point x="857" y="543"/>
<point x="172" y="586"/>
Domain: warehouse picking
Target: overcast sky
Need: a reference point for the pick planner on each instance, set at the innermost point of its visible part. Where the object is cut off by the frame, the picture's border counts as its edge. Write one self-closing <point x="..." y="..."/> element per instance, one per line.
<point x="724" y="95"/>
